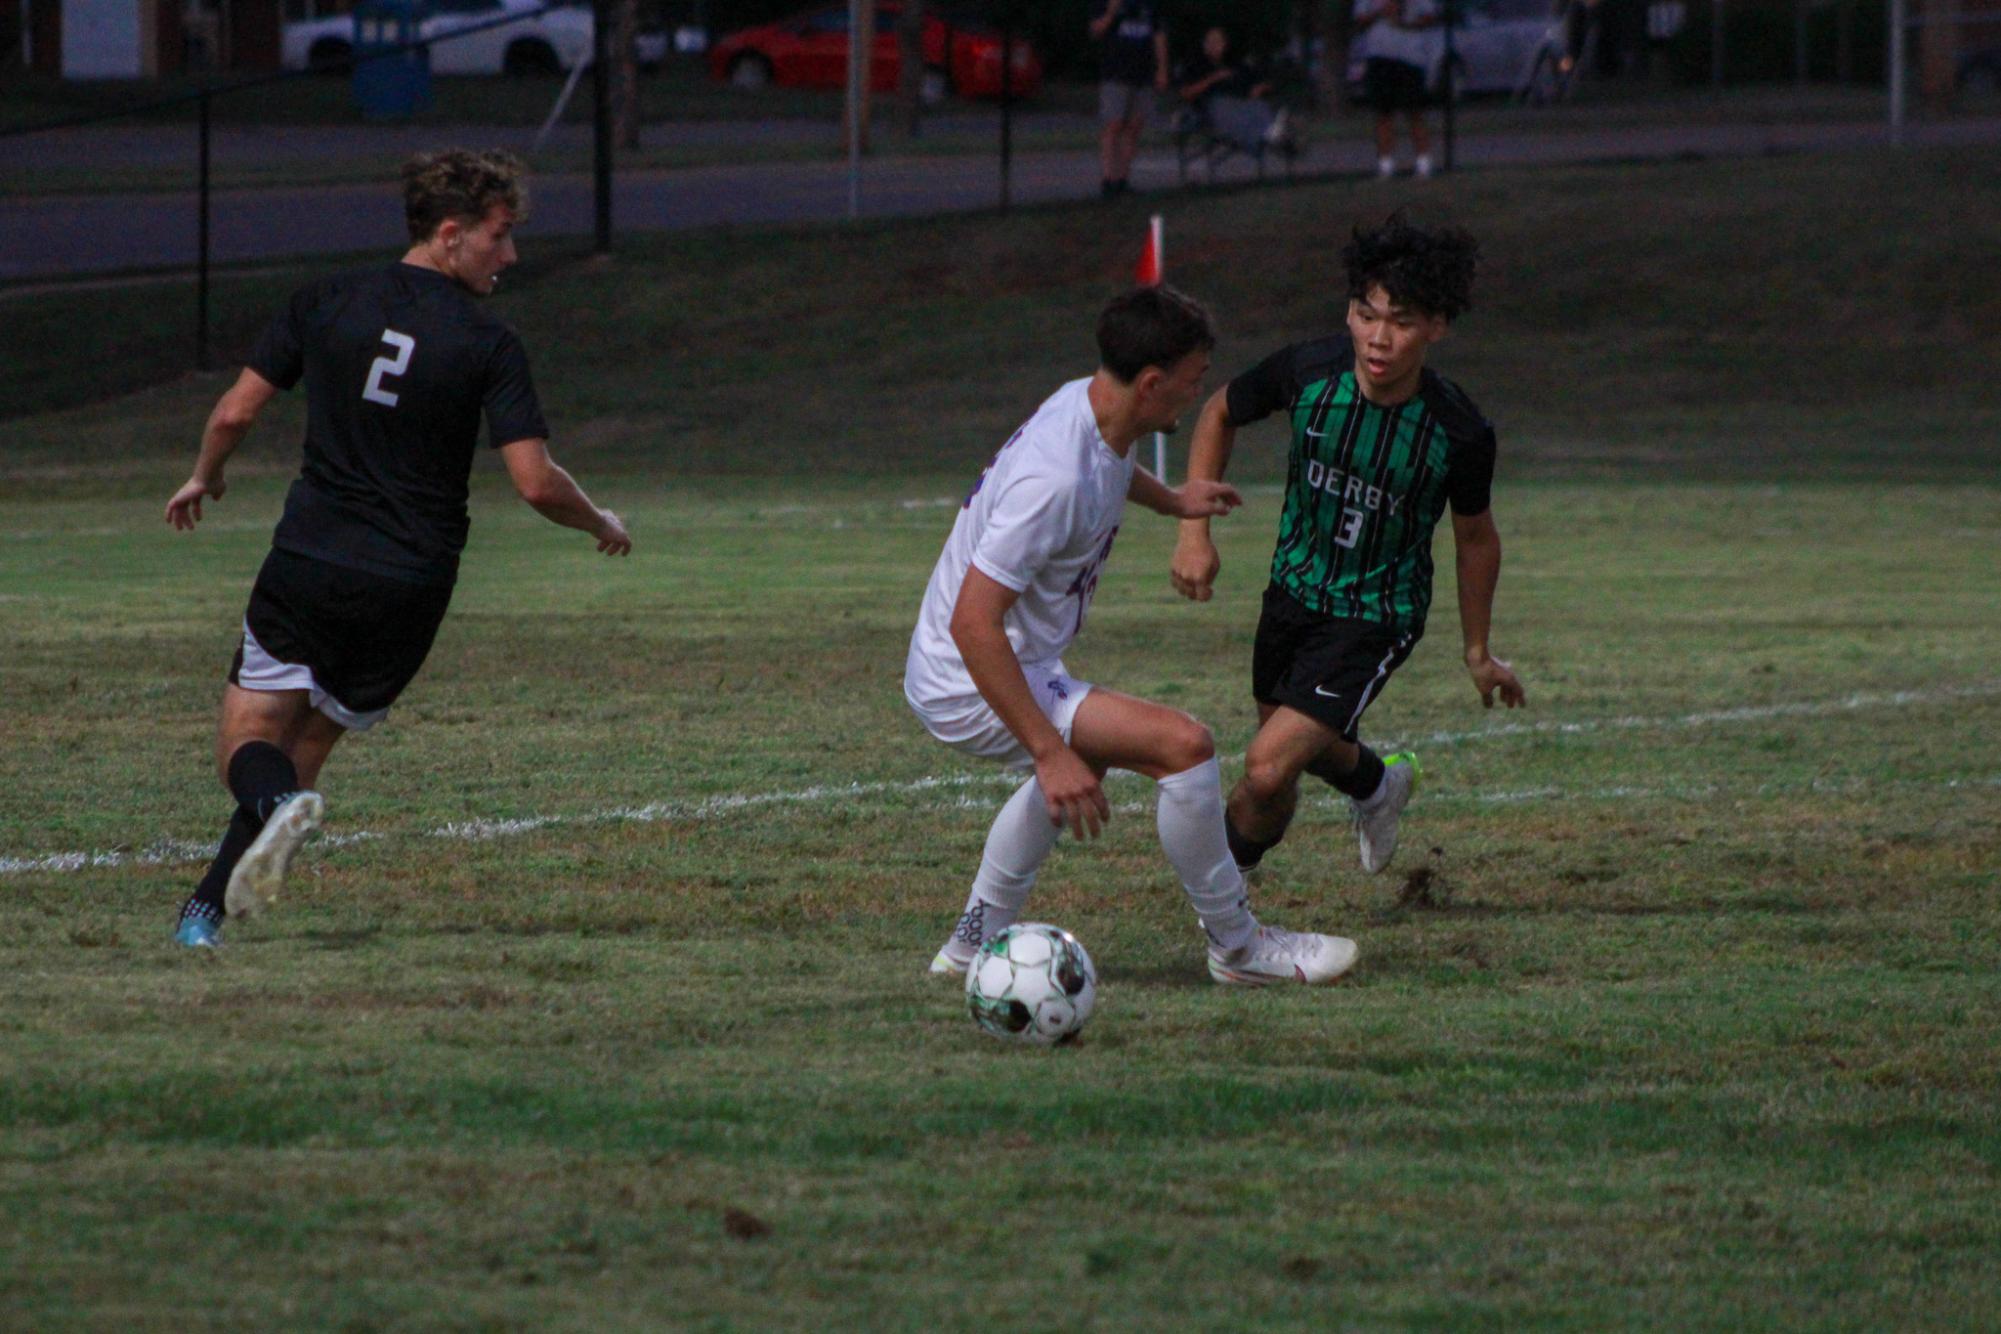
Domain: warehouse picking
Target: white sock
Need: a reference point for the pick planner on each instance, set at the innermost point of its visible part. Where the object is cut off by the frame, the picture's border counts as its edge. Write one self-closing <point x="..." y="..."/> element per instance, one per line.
<point x="1423" y="164"/>
<point x="1017" y="845"/>
<point x="1191" y="831"/>
<point x="1386" y="166"/>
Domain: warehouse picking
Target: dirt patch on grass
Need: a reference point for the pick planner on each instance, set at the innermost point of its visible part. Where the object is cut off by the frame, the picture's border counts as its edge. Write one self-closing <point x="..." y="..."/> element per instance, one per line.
<point x="1425" y="887"/>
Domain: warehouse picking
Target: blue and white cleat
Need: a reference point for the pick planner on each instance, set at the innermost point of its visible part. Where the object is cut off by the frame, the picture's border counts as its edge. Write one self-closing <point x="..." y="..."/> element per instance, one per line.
<point x="200" y="926"/>
<point x="260" y="875"/>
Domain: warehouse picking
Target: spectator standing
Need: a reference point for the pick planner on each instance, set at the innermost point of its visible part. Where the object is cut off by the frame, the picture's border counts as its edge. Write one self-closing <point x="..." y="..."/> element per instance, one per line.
<point x="1400" y="42"/>
<point x="1132" y="67"/>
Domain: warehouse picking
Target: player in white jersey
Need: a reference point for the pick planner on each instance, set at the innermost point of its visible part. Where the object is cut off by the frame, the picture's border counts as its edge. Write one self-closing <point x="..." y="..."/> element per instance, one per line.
<point x="1009" y="593"/>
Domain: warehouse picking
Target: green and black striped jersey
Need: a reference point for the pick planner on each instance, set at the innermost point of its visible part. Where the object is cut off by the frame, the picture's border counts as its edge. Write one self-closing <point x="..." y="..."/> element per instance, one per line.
<point x="1366" y="484"/>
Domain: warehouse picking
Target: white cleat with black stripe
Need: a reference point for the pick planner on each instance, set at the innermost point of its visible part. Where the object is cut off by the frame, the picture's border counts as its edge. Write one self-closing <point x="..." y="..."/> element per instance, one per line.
<point x="260" y="875"/>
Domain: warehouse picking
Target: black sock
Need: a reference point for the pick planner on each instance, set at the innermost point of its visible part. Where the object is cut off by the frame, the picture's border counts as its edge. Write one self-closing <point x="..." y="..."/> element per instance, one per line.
<point x="1247" y="851"/>
<point x="236" y="840"/>
<point x="261" y="776"/>
<point x="1359" y="782"/>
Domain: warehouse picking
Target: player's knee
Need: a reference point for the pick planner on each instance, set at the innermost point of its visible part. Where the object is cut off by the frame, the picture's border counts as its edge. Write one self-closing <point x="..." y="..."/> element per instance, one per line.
<point x="1187" y="745"/>
<point x="1267" y="781"/>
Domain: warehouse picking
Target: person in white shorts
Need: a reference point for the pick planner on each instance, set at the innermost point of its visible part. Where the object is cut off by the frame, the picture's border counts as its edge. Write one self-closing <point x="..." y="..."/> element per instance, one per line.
<point x="985" y="672"/>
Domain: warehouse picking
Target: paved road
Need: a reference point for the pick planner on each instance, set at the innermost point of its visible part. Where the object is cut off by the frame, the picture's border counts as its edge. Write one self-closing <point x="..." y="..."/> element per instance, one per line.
<point x="173" y="146"/>
<point x="46" y="238"/>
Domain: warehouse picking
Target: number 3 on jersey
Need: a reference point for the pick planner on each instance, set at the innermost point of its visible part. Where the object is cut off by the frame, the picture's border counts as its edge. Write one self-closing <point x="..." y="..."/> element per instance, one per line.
<point x="387" y="365"/>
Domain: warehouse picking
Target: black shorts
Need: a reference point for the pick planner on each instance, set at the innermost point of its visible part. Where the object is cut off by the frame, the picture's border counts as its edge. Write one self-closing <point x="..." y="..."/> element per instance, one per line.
<point x="1328" y="668"/>
<point x="358" y="637"/>
<point x="1393" y="85"/>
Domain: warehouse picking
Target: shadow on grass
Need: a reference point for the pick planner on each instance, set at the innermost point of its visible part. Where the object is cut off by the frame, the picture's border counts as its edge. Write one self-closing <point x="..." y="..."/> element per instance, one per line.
<point x="341" y="940"/>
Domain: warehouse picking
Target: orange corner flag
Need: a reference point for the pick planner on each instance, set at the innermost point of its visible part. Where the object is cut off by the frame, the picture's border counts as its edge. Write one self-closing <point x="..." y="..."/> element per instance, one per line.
<point x="1152" y="267"/>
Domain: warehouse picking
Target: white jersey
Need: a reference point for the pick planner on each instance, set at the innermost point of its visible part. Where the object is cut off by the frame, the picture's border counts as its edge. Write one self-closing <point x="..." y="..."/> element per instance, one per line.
<point x="1386" y="40"/>
<point x="1040" y="520"/>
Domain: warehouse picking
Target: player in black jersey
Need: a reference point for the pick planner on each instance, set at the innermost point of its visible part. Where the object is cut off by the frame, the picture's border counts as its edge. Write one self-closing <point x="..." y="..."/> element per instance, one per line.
<point x="400" y="363"/>
<point x="1381" y="446"/>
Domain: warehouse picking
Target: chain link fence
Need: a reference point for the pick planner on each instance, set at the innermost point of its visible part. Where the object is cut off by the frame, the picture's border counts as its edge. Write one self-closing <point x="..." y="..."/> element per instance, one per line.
<point x="753" y="125"/>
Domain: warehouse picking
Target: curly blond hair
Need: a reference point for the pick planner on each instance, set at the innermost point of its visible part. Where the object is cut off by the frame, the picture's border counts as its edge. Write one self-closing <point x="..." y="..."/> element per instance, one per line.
<point x="459" y="183"/>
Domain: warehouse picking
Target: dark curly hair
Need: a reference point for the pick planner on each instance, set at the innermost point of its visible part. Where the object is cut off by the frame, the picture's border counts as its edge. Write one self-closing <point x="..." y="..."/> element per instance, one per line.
<point x="456" y="183"/>
<point x="1427" y="269"/>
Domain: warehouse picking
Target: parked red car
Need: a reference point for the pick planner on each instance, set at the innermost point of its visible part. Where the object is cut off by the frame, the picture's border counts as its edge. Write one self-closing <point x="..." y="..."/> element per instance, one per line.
<point x="810" y="50"/>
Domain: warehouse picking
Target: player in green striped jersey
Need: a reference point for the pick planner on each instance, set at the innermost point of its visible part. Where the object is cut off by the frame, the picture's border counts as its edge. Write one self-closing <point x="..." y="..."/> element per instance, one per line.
<point x="1381" y="447"/>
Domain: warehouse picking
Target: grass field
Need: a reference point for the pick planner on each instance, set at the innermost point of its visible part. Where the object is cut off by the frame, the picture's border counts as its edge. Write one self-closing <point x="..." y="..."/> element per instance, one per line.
<point x="604" y="1005"/>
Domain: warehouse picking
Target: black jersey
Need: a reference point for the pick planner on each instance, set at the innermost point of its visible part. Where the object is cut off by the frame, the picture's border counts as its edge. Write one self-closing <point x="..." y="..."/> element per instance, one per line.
<point x="1128" y="44"/>
<point x="1366" y="484"/>
<point x="399" y="364"/>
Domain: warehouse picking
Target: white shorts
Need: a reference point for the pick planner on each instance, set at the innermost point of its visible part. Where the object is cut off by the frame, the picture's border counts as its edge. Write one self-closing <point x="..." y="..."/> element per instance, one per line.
<point x="261" y="671"/>
<point x="968" y="724"/>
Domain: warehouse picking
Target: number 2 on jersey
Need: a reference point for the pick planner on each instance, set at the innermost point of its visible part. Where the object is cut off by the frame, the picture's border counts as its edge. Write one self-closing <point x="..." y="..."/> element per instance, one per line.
<point x="387" y="365"/>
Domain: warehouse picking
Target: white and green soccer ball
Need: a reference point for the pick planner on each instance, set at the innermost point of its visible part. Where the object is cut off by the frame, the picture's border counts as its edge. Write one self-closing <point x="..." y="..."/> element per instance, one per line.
<point x="1032" y="983"/>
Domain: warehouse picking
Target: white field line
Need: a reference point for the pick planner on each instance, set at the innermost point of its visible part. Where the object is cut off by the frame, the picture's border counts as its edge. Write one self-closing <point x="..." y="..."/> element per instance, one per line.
<point x="181" y="851"/>
<point x="177" y="851"/>
<point x="736" y="516"/>
<point x="1896" y="699"/>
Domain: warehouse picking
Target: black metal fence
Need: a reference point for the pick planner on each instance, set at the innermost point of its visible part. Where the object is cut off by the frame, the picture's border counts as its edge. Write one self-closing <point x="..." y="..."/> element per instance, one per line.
<point x="204" y="99"/>
<point x="1695" y="16"/>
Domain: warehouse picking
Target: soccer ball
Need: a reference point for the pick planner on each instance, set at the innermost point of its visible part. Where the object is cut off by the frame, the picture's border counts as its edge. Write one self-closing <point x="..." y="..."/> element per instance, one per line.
<point x="1033" y="982"/>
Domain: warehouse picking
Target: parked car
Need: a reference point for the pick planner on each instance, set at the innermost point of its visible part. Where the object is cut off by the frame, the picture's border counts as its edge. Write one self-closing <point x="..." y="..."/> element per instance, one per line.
<point x="1499" y="46"/>
<point x="530" y="43"/>
<point x="810" y="50"/>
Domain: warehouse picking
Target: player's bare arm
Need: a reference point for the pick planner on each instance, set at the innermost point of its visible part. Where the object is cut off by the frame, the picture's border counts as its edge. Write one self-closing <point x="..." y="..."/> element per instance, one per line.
<point x="1072" y="791"/>
<point x="1478" y="545"/>
<point x="1196" y="564"/>
<point x="554" y="494"/>
<point x="228" y="423"/>
<point x="1103" y="23"/>
<point x="1195" y="499"/>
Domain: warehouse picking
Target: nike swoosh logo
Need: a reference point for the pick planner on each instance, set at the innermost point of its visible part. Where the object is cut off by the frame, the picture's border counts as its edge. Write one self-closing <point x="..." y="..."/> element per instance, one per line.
<point x="1316" y="435"/>
<point x="1326" y="694"/>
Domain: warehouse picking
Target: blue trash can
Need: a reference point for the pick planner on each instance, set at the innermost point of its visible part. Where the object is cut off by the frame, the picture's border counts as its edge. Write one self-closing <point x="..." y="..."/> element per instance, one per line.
<point x="390" y="87"/>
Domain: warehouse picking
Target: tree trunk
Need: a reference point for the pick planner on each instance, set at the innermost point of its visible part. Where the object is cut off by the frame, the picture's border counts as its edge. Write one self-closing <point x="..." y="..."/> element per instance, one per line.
<point x="910" y="79"/>
<point x="625" y="73"/>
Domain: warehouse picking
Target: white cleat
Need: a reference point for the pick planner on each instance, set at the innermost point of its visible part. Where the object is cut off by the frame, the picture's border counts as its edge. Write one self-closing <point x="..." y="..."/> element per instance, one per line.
<point x="1376" y="822"/>
<point x="1283" y="956"/>
<point x="944" y="965"/>
<point x="254" y="884"/>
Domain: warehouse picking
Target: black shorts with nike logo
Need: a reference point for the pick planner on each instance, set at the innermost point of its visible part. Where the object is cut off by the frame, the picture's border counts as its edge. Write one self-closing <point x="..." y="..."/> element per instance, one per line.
<point x="1329" y="668"/>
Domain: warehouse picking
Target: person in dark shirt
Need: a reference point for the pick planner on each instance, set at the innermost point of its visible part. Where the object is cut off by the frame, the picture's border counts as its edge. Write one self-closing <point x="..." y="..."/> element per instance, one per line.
<point x="1381" y="447"/>
<point x="1226" y="96"/>
<point x="1132" y="67"/>
<point x="1216" y="72"/>
<point x="400" y="364"/>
